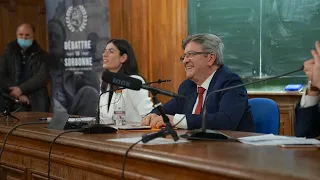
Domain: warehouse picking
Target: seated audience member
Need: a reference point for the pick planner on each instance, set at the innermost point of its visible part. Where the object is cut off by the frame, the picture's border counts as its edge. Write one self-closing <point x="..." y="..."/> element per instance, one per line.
<point x="118" y="57"/>
<point x="24" y="72"/>
<point x="307" y="112"/>
<point x="203" y="63"/>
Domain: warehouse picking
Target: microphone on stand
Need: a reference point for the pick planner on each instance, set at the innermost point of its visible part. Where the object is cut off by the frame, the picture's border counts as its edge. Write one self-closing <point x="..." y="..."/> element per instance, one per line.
<point x="207" y="134"/>
<point x="98" y="128"/>
<point x="106" y="77"/>
<point x="7" y="109"/>
<point x="158" y="81"/>
<point x="136" y="84"/>
<point x="8" y="97"/>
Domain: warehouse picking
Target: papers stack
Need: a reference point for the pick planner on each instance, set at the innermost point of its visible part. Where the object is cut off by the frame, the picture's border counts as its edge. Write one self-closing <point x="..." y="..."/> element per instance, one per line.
<point x="271" y="140"/>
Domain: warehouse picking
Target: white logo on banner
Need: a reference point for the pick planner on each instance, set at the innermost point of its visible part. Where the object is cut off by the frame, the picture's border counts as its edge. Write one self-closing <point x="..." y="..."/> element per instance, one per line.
<point x="76" y="18"/>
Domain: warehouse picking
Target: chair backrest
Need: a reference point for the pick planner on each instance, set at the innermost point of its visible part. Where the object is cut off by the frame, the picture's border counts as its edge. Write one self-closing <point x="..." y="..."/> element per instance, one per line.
<point x="266" y="115"/>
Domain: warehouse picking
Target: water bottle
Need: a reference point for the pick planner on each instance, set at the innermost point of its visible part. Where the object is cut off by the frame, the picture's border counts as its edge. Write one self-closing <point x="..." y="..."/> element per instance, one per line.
<point x="119" y="113"/>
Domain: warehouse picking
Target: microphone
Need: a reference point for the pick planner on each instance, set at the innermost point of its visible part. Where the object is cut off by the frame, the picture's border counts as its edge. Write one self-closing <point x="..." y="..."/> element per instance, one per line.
<point x="7" y="96"/>
<point x="204" y="133"/>
<point x="98" y="128"/>
<point x="152" y="82"/>
<point x="164" y="131"/>
<point x="98" y="110"/>
<point x="7" y="109"/>
<point x="159" y="81"/>
<point x="134" y="84"/>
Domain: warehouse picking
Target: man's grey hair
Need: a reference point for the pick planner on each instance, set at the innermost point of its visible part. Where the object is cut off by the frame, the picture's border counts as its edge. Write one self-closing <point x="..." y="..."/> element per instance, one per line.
<point x="209" y="43"/>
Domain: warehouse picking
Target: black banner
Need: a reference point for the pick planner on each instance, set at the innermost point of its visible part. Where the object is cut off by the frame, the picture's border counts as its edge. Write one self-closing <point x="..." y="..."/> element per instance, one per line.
<point x="78" y="33"/>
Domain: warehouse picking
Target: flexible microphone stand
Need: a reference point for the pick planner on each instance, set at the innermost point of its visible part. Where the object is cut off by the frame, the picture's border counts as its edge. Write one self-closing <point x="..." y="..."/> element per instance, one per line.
<point x="98" y="110"/>
<point x="208" y="134"/>
<point x="158" y="81"/>
<point x="7" y="112"/>
<point x="168" y="129"/>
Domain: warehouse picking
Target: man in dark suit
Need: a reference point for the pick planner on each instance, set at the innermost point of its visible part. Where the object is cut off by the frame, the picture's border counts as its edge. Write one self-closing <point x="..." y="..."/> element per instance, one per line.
<point x="307" y="116"/>
<point x="203" y="62"/>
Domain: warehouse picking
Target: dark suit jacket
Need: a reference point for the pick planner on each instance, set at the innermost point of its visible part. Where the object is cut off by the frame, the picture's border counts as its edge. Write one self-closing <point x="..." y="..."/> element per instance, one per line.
<point x="307" y="121"/>
<point x="227" y="110"/>
<point x="36" y="76"/>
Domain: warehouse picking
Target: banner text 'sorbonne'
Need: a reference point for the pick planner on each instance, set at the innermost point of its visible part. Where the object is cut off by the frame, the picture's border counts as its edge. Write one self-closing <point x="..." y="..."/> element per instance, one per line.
<point x="83" y="61"/>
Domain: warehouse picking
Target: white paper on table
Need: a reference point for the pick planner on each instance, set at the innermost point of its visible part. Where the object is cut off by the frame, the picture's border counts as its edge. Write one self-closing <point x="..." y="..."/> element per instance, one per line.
<point x="270" y="139"/>
<point x="83" y="119"/>
<point x="78" y="119"/>
<point x="156" y="141"/>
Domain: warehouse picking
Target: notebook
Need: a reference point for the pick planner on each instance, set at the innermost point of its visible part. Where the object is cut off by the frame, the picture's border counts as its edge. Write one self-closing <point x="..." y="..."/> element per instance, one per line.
<point x="133" y="127"/>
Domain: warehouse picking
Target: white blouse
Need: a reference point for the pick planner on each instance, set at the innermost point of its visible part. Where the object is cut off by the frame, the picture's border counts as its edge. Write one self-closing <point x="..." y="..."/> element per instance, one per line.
<point x="137" y="104"/>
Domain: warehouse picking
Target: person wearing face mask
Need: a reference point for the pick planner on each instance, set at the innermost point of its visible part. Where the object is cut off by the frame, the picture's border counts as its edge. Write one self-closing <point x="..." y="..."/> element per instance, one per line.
<point x="24" y="71"/>
<point x="203" y="63"/>
<point x="118" y="57"/>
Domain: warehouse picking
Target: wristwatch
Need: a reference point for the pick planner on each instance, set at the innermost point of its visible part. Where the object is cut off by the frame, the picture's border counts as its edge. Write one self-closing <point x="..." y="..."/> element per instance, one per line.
<point x="311" y="87"/>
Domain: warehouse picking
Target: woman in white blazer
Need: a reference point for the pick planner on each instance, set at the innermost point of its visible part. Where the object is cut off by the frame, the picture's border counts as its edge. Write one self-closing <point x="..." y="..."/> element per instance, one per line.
<point x="118" y="57"/>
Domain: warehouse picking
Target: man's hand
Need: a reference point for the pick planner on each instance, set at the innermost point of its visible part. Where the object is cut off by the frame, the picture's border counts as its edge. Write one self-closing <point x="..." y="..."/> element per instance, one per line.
<point x="316" y="67"/>
<point x="24" y="99"/>
<point x="146" y="120"/>
<point x="308" y="67"/>
<point x="15" y="91"/>
<point x="155" y="121"/>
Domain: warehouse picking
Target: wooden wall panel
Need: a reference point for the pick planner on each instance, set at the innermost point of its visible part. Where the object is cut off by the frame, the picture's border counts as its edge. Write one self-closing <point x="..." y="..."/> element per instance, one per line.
<point x="155" y="29"/>
<point x="33" y="11"/>
<point x="116" y="13"/>
<point x="15" y="12"/>
<point x="286" y="119"/>
<point x="6" y="31"/>
<point x="12" y="172"/>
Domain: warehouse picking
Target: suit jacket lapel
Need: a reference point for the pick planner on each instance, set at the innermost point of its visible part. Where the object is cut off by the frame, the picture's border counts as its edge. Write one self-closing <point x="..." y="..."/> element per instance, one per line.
<point x="193" y="101"/>
<point x="192" y="97"/>
<point x="213" y="84"/>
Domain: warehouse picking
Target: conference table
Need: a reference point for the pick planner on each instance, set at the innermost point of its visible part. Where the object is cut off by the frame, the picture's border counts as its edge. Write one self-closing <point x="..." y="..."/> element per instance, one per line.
<point x="91" y="156"/>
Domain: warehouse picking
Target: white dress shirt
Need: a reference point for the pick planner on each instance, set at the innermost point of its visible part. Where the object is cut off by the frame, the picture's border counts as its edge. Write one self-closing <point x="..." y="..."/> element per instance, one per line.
<point x="181" y="117"/>
<point x="308" y="101"/>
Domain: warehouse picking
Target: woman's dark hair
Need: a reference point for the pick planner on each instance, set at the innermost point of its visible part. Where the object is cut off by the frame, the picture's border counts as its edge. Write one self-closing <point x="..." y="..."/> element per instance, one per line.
<point x="129" y="67"/>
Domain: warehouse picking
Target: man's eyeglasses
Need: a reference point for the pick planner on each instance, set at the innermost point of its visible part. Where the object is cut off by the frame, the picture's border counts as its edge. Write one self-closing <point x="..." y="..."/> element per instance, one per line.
<point x="191" y="54"/>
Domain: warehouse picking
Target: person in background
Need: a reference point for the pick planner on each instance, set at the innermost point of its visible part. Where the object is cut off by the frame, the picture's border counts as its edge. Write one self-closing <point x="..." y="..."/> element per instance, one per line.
<point x="119" y="57"/>
<point x="24" y="71"/>
<point x="307" y="111"/>
<point x="203" y="63"/>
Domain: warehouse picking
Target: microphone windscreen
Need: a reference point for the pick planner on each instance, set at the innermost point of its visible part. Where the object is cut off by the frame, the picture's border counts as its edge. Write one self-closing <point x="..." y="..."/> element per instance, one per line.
<point x="121" y="80"/>
<point x="7" y="96"/>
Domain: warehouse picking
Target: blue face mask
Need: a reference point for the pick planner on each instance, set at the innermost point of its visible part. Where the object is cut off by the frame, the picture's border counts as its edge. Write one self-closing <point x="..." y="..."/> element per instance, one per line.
<point x="24" y="43"/>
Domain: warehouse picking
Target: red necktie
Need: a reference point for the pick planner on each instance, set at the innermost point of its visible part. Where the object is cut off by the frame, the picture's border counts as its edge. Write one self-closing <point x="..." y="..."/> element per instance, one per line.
<point x="200" y="100"/>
